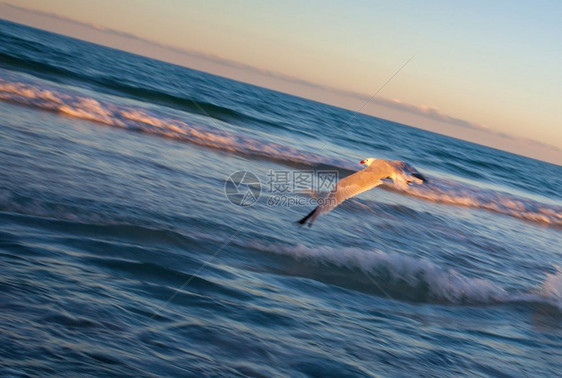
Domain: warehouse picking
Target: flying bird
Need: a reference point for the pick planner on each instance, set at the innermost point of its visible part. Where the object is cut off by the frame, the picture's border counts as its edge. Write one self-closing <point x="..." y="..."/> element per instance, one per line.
<point x="401" y="173"/>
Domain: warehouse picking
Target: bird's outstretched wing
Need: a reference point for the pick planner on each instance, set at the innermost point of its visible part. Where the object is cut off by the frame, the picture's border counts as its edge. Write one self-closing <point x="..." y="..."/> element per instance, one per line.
<point x="346" y="188"/>
<point x="351" y="186"/>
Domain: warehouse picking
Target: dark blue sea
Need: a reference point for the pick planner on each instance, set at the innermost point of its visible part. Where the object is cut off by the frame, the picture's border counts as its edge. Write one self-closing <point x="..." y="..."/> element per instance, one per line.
<point x="122" y="255"/>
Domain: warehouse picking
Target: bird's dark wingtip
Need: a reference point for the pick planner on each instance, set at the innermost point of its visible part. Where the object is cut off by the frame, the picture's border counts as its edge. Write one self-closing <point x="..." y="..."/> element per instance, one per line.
<point x="421" y="177"/>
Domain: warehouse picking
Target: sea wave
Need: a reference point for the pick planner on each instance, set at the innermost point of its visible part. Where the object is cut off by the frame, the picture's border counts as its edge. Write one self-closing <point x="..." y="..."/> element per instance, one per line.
<point x="40" y="95"/>
<point x="144" y="92"/>
<point x="466" y="195"/>
<point x="74" y="104"/>
<point x="403" y="277"/>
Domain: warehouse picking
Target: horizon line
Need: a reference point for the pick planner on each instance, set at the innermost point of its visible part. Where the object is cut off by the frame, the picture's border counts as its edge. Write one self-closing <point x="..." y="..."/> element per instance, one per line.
<point x="431" y="113"/>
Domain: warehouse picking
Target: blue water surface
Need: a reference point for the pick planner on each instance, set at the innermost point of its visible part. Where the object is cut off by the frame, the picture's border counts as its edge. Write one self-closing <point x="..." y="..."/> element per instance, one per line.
<point x="120" y="253"/>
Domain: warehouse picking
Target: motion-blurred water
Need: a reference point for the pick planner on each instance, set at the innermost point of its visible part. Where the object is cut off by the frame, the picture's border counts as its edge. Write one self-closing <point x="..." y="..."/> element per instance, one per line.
<point x="121" y="254"/>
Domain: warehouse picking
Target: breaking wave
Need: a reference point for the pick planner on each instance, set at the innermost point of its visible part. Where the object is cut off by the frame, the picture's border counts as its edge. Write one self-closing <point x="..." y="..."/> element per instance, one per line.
<point x="403" y="277"/>
<point x="466" y="195"/>
<point x="74" y="104"/>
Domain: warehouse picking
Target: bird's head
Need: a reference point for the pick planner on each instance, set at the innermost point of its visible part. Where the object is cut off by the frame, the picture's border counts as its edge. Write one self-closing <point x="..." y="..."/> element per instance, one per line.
<point x="367" y="161"/>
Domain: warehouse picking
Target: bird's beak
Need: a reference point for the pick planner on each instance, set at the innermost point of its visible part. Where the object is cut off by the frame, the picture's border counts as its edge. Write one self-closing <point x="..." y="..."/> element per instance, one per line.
<point x="362" y="162"/>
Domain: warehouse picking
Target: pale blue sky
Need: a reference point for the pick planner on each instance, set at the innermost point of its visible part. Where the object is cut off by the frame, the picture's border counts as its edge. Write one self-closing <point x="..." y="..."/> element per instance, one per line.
<point x="493" y="64"/>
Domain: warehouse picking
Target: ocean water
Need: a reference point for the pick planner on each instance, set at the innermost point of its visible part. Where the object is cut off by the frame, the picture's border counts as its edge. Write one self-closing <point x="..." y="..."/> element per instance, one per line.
<point x="120" y="253"/>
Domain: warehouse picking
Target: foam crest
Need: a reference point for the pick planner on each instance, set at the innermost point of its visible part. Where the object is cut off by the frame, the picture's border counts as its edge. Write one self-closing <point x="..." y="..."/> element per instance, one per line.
<point x="551" y="289"/>
<point x="389" y="270"/>
<point x="70" y="103"/>
<point x="442" y="284"/>
<point x="454" y="193"/>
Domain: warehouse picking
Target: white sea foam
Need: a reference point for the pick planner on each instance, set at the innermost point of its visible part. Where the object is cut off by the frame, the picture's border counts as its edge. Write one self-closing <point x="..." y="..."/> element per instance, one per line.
<point x="551" y="289"/>
<point x="74" y="104"/>
<point x="443" y="284"/>
<point x="466" y="195"/>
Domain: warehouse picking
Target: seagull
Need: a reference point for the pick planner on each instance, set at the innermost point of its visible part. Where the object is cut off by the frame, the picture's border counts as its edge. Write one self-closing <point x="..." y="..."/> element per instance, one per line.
<point x="401" y="173"/>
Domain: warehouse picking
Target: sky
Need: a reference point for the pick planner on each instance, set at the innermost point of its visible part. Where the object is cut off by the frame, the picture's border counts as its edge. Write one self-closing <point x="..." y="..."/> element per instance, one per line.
<point x="487" y="72"/>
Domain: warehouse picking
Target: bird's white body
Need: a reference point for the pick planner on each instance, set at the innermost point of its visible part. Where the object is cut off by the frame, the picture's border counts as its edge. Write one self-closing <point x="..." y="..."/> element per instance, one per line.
<point x="401" y="174"/>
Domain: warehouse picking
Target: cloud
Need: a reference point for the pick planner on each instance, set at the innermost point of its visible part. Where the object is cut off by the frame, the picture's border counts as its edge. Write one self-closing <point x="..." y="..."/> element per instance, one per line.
<point x="434" y="113"/>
